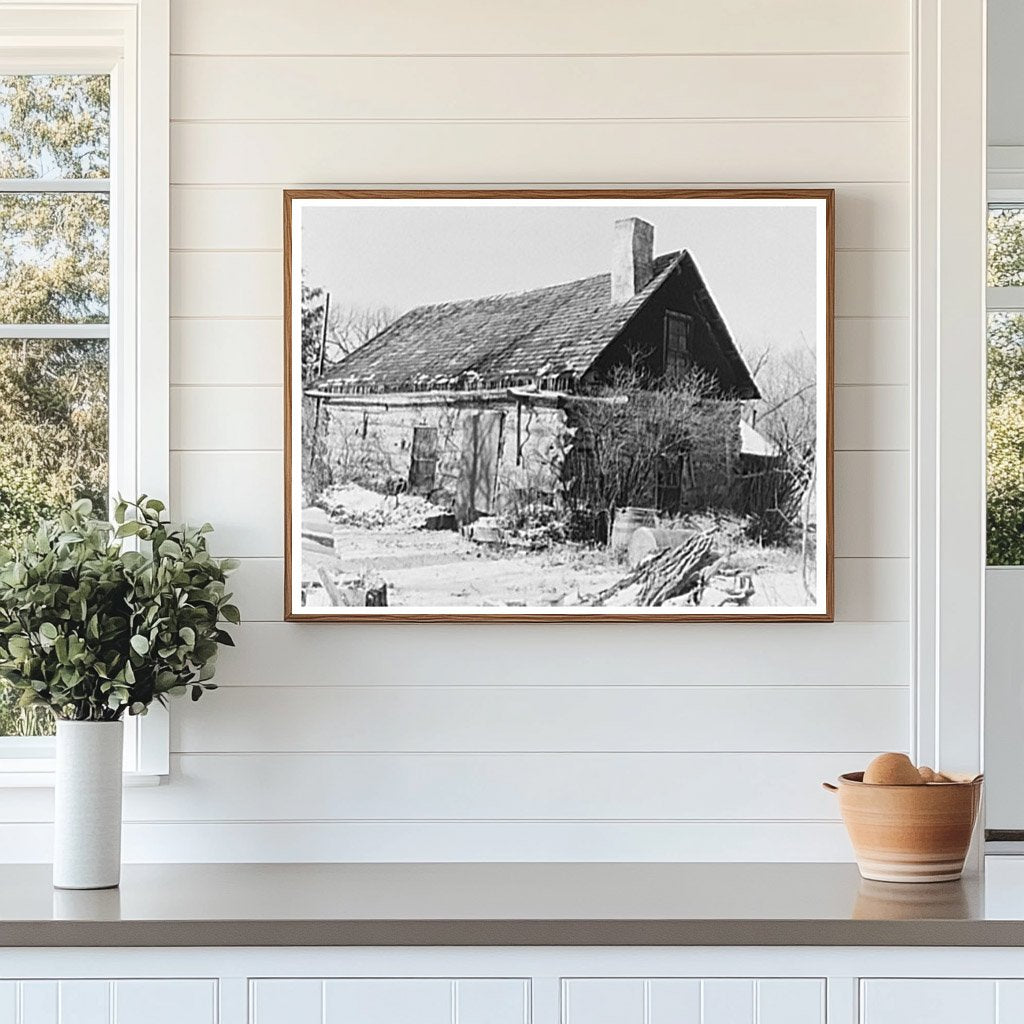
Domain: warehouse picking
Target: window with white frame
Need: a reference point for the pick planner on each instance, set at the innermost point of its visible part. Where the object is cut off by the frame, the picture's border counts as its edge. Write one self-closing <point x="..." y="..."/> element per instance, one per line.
<point x="1005" y="476"/>
<point x="54" y="310"/>
<point x="83" y="263"/>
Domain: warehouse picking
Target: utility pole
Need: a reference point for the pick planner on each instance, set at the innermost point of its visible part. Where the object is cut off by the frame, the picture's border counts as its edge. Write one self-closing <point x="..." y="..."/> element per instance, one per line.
<point x="319" y="373"/>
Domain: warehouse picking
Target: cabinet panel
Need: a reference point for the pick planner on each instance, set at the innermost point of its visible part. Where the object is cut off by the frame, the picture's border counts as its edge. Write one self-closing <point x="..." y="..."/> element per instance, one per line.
<point x="946" y="1001"/>
<point x="38" y="1002"/>
<point x="674" y="1000"/>
<point x="84" y="1002"/>
<point x="492" y="1002"/>
<point x="389" y="1001"/>
<point x="286" y="1001"/>
<point x="790" y="1001"/>
<point x="165" y="1002"/>
<point x="727" y="1001"/>
<point x="693" y="1001"/>
<point x="101" y="1001"/>
<point x="1010" y="1002"/>
<point x="929" y="1001"/>
<point x="8" y="1002"/>
<point x="603" y="1001"/>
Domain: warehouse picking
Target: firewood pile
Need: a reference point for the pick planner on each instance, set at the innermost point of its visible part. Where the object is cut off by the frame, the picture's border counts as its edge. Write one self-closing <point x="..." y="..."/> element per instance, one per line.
<point x="671" y="572"/>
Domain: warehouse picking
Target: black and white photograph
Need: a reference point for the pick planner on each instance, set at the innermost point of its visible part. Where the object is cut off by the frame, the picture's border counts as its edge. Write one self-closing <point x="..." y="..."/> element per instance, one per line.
<point x="559" y="405"/>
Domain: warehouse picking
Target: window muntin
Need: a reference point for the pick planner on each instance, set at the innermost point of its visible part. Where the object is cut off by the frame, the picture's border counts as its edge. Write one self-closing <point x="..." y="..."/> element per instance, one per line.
<point x="54" y="307"/>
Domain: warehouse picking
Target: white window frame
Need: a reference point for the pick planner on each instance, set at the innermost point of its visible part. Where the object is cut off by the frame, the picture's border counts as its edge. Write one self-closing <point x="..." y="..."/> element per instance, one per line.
<point x="130" y="41"/>
<point x="949" y="402"/>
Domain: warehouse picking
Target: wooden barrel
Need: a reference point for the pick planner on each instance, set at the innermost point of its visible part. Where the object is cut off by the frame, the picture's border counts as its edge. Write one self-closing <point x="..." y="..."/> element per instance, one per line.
<point x="627" y="522"/>
<point x="647" y="539"/>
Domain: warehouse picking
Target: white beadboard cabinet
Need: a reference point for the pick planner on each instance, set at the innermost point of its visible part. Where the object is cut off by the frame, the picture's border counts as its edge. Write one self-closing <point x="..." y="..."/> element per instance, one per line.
<point x="513" y="985"/>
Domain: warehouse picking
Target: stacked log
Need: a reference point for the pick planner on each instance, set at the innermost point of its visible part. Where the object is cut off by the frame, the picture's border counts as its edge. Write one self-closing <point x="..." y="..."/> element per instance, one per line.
<point x="670" y="572"/>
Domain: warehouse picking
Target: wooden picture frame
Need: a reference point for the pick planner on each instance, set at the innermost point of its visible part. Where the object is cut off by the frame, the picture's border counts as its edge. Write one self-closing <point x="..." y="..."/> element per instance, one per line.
<point x="399" y="369"/>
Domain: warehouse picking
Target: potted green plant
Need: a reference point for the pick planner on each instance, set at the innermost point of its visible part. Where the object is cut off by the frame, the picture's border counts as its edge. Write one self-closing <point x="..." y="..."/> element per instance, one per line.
<point x="99" y="620"/>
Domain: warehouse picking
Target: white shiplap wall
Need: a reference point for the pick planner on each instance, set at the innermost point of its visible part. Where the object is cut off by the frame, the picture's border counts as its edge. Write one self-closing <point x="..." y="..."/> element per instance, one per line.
<point x="689" y="741"/>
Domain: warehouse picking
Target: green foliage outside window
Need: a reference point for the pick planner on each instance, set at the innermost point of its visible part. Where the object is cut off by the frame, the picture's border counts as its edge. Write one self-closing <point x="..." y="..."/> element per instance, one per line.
<point x="54" y="269"/>
<point x="1005" y="483"/>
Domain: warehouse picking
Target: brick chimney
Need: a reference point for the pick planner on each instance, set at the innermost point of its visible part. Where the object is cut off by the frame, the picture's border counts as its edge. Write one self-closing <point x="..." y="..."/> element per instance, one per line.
<point x="632" y="258"/>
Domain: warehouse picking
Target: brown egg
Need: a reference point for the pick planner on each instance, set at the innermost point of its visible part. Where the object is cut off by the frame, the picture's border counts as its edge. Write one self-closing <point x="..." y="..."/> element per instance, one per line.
<point x="892" y="770"/>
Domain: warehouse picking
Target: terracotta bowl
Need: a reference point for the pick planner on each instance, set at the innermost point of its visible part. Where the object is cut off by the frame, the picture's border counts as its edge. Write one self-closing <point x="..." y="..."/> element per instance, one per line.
<point x="909" y="833"/>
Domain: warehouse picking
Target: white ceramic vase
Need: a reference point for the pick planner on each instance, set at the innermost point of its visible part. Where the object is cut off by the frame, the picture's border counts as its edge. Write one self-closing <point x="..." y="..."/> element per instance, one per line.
<point x="87" y="806"/>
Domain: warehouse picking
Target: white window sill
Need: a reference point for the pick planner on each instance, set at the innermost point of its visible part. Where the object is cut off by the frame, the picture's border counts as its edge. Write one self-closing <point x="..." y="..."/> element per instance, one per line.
<point x="38" y="773"/>
<point x="29" y="763"/>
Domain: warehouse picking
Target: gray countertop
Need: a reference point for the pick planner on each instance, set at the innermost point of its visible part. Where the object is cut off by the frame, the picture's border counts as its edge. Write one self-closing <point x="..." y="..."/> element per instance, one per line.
<point x="504" y="904"/>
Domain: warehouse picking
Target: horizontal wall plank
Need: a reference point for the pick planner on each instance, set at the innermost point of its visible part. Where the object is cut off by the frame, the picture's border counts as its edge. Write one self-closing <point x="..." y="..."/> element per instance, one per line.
<point x="872" y="590"/>
<point x="461" y="842"/>
<point x="238" y="418"/>
<point x="872" y="216"/>
<point x="872" y="418"/>
<point x="872" y="504"/>
<point x="867" y="589"/>
<point x="227" y="352"/>
<point x="527" y="88"/>
<point x="487" y="787"/>
<point x="629" y="719"/>
<point x="873" y="283"/>
<point x="794" y="654"/>
<point x="872" y="350"/>
<point x="530" y="152"/>
<point x="251" y="283"/>
<point x="234" y="284"/>
<point x="243" y="787"/>
<point x="536" y="26"/>
<point x="868" y="216"/>
<point x="241" y="493"/>
<point x="258" y="586"/>
<point x="242" y="217"/>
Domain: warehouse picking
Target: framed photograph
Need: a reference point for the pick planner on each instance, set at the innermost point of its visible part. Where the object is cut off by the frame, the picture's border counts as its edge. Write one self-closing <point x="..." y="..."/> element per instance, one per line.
<point x="558" y="405"/>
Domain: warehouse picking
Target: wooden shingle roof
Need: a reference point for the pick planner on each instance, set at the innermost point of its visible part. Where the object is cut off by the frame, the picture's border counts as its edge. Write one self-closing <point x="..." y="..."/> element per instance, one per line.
<point x="549" y="335"/>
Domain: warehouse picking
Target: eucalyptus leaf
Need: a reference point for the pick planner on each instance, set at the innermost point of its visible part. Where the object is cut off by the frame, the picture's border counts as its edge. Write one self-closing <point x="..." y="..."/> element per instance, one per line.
<point x="93" y="631"/>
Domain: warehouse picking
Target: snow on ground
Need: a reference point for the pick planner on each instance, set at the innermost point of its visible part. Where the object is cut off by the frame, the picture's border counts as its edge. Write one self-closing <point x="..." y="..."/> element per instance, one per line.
<point x="364" y="534"/>
<point x="352" y="505"/>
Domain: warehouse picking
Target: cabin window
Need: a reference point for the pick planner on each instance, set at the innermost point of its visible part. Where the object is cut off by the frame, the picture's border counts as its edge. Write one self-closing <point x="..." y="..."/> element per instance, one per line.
<point x="678" y="340"/>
